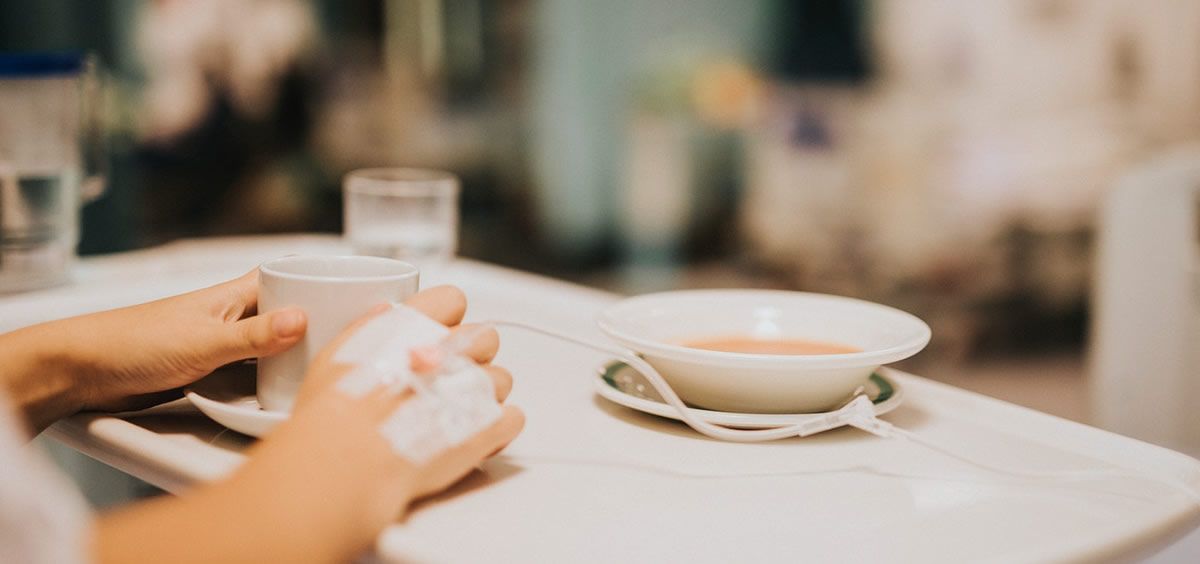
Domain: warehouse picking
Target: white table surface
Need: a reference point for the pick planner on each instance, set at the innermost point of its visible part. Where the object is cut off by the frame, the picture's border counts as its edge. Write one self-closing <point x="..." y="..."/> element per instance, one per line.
<point x="590" y="481"/>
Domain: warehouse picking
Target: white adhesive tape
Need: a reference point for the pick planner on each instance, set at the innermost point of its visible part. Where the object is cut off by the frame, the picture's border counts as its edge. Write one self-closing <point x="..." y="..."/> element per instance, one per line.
<point x="458" y="403"/>
<point x="446" y="414"/>
<point x="379" y="350"/>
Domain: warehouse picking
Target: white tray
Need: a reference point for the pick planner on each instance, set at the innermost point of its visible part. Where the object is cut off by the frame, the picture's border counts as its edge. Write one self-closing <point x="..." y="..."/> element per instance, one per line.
<point x="590" y="481"/>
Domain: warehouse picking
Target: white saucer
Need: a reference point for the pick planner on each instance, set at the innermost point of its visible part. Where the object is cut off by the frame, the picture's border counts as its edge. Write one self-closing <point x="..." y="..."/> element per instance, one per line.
<point x="227" y="396"/>
<point x="621" y="384"/>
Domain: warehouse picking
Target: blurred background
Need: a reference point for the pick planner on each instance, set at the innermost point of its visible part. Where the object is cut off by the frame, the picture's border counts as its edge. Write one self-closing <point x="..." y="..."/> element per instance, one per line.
<point x="951" y="158"/>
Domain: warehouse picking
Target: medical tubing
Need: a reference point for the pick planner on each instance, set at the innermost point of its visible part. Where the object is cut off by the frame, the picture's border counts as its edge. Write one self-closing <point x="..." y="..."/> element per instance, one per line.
<point x="660" y="385"/>
<point x="1089" y="474"/>
<point x="868" y="422"/>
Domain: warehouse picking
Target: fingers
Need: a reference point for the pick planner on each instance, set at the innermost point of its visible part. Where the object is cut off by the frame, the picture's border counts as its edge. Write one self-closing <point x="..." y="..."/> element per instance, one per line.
<point x="262" y="335"/>
<point x="502" y="381"/>
<point x="452" y="465"/>
<point x="244" y="290"/>
<point x="445" y="304"/>
<point x="492" y="440"/>
<point x="483" y="349"/>
<point x="387" y="399"/>
<point x="502" y="432"/>
<point x="511" y="423"/>
<point x="383" y="400"/>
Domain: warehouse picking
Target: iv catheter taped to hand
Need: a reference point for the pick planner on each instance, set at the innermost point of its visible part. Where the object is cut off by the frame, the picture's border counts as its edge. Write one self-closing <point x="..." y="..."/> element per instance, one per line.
<point x="449" y="403"/>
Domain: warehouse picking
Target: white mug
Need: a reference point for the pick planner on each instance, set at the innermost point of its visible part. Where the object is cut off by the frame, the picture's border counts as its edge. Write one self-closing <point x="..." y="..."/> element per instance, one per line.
<point x="333" y="291"/>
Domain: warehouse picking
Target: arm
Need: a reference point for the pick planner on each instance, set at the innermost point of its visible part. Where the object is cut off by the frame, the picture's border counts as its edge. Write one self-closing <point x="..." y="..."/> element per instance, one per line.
<point x="137" y="356"/>
<point x="36" y="377"/>
<point x="306" y="495"/>
<point x="318" y="489"/>
<point x="297" y="499"/>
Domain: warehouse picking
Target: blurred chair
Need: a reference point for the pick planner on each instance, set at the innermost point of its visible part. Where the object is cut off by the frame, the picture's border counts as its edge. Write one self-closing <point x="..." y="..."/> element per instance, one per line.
<point x="1145" y="378"/>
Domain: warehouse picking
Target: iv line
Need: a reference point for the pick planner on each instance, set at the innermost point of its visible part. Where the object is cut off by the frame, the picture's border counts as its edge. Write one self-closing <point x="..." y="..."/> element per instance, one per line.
<point x="664" y="389"/>
<point x="858" y="412"/>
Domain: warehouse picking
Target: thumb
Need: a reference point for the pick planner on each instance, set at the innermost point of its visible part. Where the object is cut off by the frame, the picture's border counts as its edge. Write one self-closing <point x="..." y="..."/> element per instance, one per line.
<point x="265" y="334"/>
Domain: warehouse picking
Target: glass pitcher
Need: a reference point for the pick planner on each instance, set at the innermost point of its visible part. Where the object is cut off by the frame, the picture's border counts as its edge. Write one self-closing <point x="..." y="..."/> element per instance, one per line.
<point x="50" y="164"/>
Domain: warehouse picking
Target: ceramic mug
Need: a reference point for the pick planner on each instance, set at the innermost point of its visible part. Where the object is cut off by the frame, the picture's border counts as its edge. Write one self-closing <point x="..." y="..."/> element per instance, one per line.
<point x="333" y="291"/>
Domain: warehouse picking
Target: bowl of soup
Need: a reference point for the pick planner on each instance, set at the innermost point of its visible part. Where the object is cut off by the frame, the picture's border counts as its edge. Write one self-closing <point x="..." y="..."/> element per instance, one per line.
<point x="763" y="351"/>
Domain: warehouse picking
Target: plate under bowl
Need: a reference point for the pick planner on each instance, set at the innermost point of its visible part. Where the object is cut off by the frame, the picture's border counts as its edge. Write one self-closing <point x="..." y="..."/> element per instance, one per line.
<point x="619" y="383"/>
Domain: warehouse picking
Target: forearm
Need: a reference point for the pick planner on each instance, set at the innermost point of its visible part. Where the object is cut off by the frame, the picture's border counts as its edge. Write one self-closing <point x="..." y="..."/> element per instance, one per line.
<point x="37" y="376"/>
<point x="223" y="523"/>
<point x="55" y="369"/>
<point x="266" y="512"/>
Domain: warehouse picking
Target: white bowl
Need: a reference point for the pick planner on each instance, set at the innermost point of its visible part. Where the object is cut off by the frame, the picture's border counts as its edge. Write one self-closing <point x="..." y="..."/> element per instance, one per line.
<point x="654" y="325"/>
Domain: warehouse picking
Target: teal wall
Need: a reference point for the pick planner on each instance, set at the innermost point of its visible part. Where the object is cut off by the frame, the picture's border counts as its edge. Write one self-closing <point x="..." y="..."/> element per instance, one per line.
<point x="588" y="56"/>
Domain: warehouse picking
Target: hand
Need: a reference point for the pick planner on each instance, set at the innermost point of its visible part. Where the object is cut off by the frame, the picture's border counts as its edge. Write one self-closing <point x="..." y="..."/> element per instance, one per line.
<point x="137" y="356"/>
<point x="317" y="489"/>
<point x="330" y="451"/>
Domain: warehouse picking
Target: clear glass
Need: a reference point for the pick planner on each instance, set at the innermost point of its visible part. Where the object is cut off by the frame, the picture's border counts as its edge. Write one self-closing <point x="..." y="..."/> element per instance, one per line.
<point x="408" y="214"/>
<point x="44" y="175"/>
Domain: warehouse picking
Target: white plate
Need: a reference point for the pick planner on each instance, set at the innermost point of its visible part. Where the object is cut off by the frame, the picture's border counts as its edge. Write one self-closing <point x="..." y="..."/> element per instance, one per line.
<point x="885" y="392"/>
<point x="227" y="396"/>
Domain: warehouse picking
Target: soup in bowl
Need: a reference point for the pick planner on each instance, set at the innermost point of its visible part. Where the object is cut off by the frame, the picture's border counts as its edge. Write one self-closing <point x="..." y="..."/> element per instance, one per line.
<point x="763" y="351"/>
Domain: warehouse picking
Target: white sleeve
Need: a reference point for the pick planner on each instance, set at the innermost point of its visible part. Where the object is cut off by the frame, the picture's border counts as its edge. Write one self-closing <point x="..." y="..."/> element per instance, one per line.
<point x="43" y="518"/>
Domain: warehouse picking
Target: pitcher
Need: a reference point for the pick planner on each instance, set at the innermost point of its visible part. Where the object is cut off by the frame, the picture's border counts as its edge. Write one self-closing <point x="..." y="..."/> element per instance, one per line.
<point x="50" y="160"/>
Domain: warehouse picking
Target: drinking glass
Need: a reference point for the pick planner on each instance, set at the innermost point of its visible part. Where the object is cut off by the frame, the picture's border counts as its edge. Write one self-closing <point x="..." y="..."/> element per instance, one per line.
<point x="409" y="214"/>
<point x="51" y="163"/>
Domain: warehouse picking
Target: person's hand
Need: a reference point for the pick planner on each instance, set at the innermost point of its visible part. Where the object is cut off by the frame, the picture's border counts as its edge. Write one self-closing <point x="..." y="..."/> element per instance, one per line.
<point x="321" y="486"/>
<point x="166" y="344"/>
<point x="137" y="356"/>
<point x="331" y="453"/>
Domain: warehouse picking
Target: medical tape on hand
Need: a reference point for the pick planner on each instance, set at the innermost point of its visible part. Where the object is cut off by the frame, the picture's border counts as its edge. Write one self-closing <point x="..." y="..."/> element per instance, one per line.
<point x="453" y="409"/>
<point x="379" y="350"/>
<point x="447" y="407"/>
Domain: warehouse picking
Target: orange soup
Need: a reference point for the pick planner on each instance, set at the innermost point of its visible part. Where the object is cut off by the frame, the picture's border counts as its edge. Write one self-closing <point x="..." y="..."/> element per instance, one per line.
<point x="751" y="345"/>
